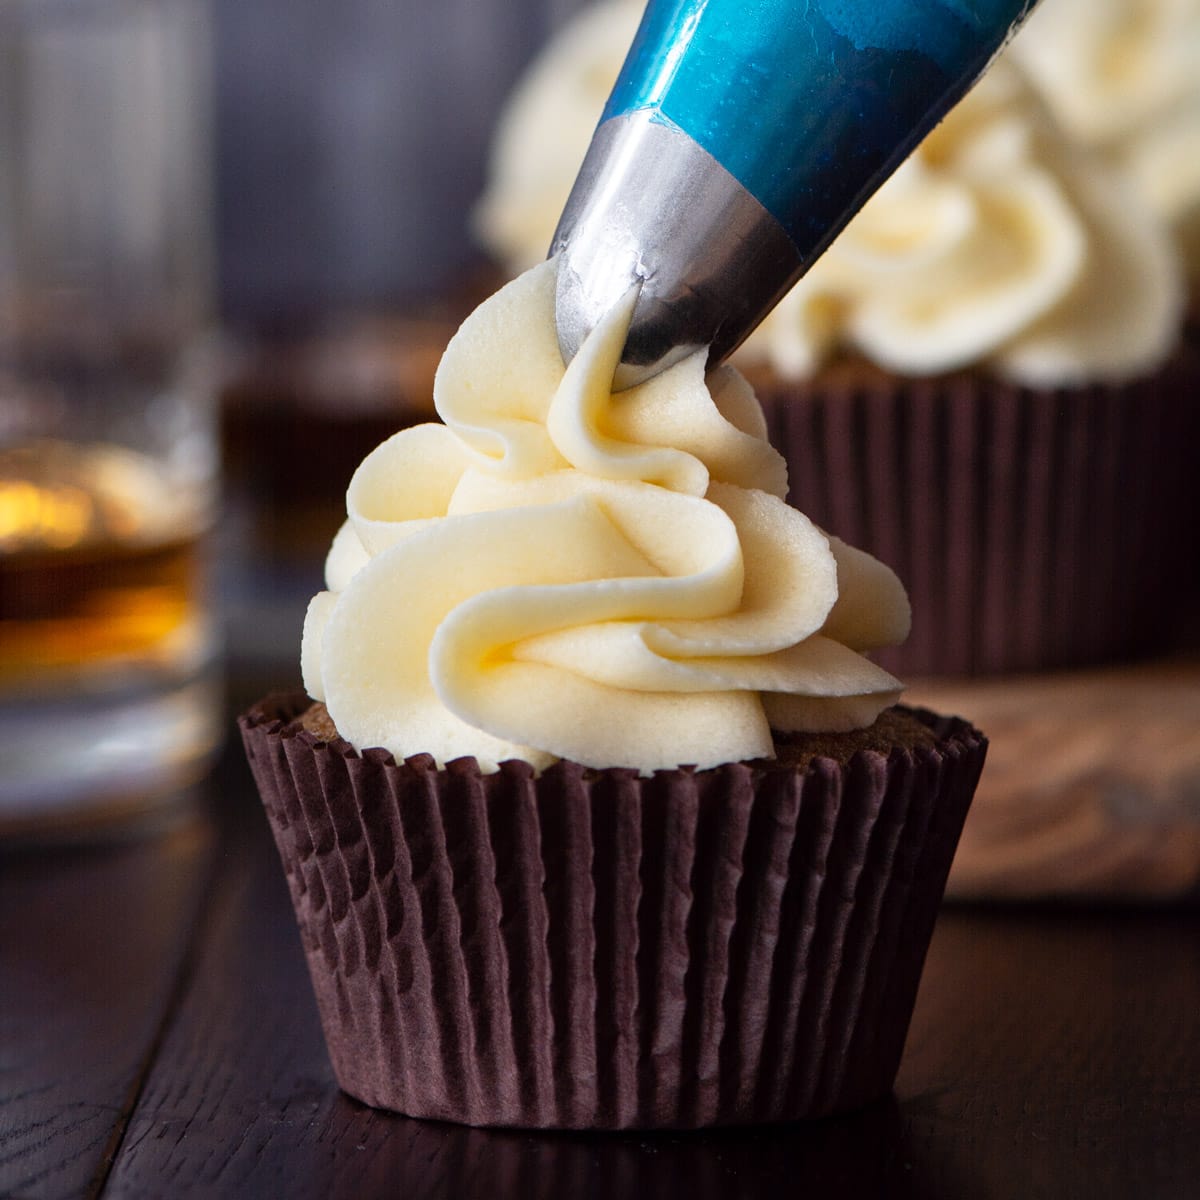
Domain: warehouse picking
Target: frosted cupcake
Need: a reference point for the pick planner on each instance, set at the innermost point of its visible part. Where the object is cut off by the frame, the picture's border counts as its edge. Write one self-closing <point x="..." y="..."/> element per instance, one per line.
<point x="597" y="813"/>
<point x="981" y="382"/>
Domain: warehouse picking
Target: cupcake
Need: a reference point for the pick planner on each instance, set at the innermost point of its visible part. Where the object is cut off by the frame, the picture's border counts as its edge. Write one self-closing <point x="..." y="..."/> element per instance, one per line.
<point x="596" y="813"/>
<point x="981" y="382"/>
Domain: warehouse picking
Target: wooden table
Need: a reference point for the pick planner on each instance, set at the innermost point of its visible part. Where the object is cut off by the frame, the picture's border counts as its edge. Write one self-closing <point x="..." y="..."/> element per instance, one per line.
<point x="158" y="1039"/>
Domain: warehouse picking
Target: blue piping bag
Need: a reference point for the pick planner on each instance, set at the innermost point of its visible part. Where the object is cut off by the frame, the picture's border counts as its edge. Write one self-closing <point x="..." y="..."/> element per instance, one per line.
<point x="739" y="139"/>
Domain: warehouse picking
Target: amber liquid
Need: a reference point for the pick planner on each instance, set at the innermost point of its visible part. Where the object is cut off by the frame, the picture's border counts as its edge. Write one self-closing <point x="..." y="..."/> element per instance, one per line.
<point x="108" y="700"/>
<point x="74" y="609"/>
<point x="92" y="574"/>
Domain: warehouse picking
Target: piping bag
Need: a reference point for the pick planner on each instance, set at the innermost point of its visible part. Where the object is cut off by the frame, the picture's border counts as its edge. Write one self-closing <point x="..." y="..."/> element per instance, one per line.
<point x="739" y="139"/>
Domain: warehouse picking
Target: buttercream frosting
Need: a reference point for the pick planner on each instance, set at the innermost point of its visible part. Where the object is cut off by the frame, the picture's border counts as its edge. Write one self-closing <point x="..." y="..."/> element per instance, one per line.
<point x="561" y="572"/>
<point x="1123" y="76"/>
<point x="998" y="243"/>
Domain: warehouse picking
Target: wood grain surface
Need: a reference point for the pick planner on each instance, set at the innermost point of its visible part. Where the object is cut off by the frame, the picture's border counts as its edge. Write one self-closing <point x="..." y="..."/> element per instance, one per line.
<point x="93" y="947"/>
<point x="1092" y="786"/>
<point x="1054" y="1052"/>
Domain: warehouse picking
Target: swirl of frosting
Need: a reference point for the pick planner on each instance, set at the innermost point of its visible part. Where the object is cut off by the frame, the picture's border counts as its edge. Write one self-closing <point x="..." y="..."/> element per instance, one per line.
<point x="560" y="572"/>
<point x="998" y="243"/>
<point x="1123" y="76"/>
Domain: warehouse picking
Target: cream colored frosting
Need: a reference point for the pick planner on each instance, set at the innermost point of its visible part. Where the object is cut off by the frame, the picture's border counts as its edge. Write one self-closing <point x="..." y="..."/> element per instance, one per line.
<point x="558" y="572"/>
<point x="998" y="243"/>
<point x="1123" y="76"/>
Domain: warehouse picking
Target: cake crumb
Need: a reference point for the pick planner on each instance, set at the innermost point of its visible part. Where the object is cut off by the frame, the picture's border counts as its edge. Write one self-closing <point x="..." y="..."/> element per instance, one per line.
<point x="894" y="727"/>
<point x="317" y="721"/>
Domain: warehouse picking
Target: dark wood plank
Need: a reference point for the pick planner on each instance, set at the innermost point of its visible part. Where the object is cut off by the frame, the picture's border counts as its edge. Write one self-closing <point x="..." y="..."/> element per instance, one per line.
<point x="92" y="944"/>
<point x="1057" y="1053"/>
<point x="1051" y="1054"/>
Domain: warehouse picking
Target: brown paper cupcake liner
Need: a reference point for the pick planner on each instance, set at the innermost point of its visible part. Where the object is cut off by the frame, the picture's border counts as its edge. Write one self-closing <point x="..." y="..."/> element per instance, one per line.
<point x="596" y="950"/>
<point x="1033" y="529"/>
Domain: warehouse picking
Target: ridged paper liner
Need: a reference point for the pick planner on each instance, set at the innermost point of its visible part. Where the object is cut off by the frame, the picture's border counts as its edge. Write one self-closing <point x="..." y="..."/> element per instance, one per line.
<point x="594" y="950"/>
<point x="1033" y="529"/>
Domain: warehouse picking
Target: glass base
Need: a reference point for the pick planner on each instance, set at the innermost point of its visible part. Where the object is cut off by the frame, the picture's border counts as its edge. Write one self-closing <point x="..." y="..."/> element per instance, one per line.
<point x="78" y="766"/>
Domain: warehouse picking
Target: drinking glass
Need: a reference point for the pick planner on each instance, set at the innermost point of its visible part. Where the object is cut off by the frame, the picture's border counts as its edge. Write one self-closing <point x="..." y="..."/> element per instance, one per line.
<point x="108" y="454"/>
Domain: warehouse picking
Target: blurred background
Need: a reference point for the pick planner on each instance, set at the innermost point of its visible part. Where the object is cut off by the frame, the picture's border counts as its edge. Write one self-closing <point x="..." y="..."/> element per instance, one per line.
<point x="350" y="144"/>
<point x="351" y="141"/>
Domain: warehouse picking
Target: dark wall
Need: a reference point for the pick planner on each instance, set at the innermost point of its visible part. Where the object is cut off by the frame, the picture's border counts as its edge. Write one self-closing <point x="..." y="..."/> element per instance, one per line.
<point x="351" y="142"/>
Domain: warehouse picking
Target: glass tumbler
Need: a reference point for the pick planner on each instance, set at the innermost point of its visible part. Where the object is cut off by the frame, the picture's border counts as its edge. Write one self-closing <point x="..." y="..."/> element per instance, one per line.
<point x="108" y="450"/>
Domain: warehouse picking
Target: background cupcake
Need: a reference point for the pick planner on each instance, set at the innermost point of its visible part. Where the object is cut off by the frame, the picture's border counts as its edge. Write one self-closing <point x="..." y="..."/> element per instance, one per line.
<point x="996" y="335"/>
<point x="980" y="382"/>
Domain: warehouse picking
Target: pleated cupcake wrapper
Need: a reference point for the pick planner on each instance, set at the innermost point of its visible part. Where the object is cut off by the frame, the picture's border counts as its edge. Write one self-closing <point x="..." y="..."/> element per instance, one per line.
<point x="1033" y="529"/>
<point x="597" y="950"/>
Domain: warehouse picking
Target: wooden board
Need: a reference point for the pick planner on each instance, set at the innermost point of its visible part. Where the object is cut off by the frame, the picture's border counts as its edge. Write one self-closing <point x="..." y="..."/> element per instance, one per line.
<point x="1092" y="784"/>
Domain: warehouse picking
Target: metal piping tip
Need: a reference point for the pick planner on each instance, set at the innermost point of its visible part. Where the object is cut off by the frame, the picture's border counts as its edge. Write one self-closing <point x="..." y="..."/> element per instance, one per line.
<point x="651" y="207"/>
